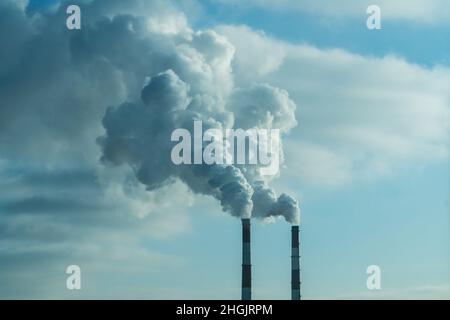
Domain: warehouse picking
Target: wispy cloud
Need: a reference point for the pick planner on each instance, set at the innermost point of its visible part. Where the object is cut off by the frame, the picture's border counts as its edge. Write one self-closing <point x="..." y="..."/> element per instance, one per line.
<point x="421" y="11"/>
<point x="359" y="117"/>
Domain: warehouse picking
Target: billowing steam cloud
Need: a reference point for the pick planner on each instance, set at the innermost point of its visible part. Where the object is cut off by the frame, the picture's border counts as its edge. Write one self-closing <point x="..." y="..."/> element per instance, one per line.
<point x="180" y="76"/>
<point x="139" y="134"/>
<point x="157" y="74"/>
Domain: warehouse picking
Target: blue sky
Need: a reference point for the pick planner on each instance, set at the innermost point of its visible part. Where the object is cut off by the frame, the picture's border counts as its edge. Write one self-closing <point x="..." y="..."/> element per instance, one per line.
<point x="420" y="43"/>
<point x="373" y="183"/>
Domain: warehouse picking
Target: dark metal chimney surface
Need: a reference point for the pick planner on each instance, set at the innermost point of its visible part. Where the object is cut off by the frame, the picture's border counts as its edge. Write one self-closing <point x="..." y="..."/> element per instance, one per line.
<point x="295" y="265"/>
<point x="246" y="261"/>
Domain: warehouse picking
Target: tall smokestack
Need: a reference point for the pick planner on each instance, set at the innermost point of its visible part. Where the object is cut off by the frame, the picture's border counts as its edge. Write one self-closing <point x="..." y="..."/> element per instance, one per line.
<point x="246" y="261"/>
<point x="295" y="265"/>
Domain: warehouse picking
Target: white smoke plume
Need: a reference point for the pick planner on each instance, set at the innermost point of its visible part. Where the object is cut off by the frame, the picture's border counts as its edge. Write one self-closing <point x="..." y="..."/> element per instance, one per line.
<point x="143" y="59"/>
<point x="175" y="78"/>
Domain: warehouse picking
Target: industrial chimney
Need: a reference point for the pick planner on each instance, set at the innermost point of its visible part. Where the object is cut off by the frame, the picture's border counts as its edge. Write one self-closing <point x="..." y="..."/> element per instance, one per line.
<point x="295" y="265"/>
<point x="246" y="261"/>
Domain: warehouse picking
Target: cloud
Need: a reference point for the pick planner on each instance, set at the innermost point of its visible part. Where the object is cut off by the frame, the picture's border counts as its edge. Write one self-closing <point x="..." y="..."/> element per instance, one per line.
<point x="52" y="219"/>
<point x="360" y="117"/>
<point x="318" y="165"/>
<point x="58" y="204"/>
<point x="131" y="66"/>
<point x="421" y="11"/>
